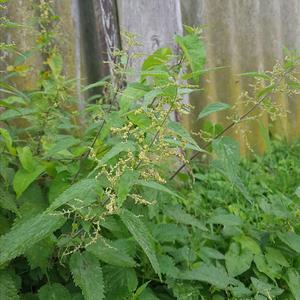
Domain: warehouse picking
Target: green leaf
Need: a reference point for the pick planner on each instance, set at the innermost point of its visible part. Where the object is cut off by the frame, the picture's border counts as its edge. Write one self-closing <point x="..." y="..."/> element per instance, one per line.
<point x="132" y="93"/>
<point x="160" y="57"/>
<point x="24" y="236"/>
<point x="212" y="108"/>
<point x="194" y="50"/>
<point x="125" y="279"/>
<point x="125" y="184"/>
<point x="110" y="253"/>
<point x="7" y="201"/>
<point x="24" y="178"/>
<point x="226" y="220"/>
<point x="8" y="141"/>
<point x="211" y="253"/>
<point x="53" y="291"/>
<point x="275" y="255"/>
<point x="237" y="260"/>
<point x="26" y="158"/>
<point x="265" y="288"/>
<point x="8" y="290"/>
<point x="291" y="239"/>
<point x="248" y="243"/>
<point x="293" y="280"/>
<point x="142" y="235"/>
<point x="87" y="274"/>
<point x="55" y="63"/>
<point x="256" y="75"/>
<point x="228" y="153"/>
<point x="82" y="189"/>
<point x="215" y="276"/>
<point x="115" y="150"/>
<point x="183" y="133"/>
<point x="39" y="254"/>
<point x="157" y="186"/>
<point x="180" y="216"/>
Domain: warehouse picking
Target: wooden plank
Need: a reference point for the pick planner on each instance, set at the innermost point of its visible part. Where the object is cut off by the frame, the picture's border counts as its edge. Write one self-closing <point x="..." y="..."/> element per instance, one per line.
<point x="100" y="36"/>
<point x="155" y="22"/>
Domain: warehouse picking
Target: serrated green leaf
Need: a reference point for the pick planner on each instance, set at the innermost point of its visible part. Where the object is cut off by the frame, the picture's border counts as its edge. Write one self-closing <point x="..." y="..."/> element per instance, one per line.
<point x="87" y="274"/>
<point x="125" y="184"/>
<point x="212" y="108"/>
<point x="211" y="253"/>
<point x="216" y="276"/>
<point x="142" y="235"/>
<point x="114" y="151"/>
<point x="265" y="288"/>
<point x="226" y="220"/>
<point x="180" y="216"/>
<point x="53" y="291"/>
<point x="157" y="186"/>
<point x="110" y="253"/>
<point x="82" y="190"/>
<point x="159" y="57"/>
<point x="26" y="158"/>
<point x="133" y="92"/>
<point x="24" y="178"/>
<point x="55" y="63"/>
<point x="21" y="237"/>
<point x="7" y="201"/>
<point x="39" y="254"/>
<point x="125" y="279"/>
<point x="8" y="290"/>
<point x="194" y="50"/>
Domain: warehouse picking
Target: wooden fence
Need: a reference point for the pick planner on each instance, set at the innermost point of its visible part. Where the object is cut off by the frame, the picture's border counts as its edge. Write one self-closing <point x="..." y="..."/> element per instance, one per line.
<point x="243" y="35"/>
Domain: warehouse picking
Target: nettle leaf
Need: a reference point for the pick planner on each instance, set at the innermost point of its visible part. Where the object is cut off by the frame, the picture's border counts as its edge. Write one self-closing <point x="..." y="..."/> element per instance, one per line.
<point x="237" y="260"/>
<point x="55" y="63"/>
<point x="119" y="282"/>
<point x="110" y="253"/>
<point x="160" y="57"/>
<point x="54" y="291"/>
<point x="178" y="129"/>
<point x="215" y="276"/>
<point x="7" y="201"/>
<point x="142" y="235"/>
<point x="26" y="158"/>
<point x="167" y="266"/>
<point x="212" y="108"/>
<point x="291" y="239"/>
<point x="211" y="253"/>
<point x="194" y="50"/>
<point x="133" y="92"/>
<point x="87" y="274"/>
<point x="180" y="216"/>
<point x="228" y="153"/>
<point x="125" y="184"/>
<point x="24" y="236"/>
<point x="83" y="190"/>
<point x="115" y="150"/>
<point x="226" y="220"/>
<point x="8" y="141"/>
<point x="8" y="290"/>
<point x="39" y="254"/>
<point x="24" y="178"/>
<point x="157" y="186"/>
<point x="265" y="288"/>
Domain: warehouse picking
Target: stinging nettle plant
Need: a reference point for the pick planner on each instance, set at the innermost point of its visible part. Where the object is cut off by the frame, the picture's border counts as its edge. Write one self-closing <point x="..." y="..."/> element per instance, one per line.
<point x="74" y="197"/>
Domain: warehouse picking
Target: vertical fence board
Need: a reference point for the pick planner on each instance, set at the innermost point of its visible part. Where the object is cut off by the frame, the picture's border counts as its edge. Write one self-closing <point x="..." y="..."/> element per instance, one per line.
<point x="155" y="22"/>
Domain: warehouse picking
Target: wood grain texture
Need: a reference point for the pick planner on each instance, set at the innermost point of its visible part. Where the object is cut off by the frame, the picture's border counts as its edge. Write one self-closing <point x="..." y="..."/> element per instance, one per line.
<point x="245" y="35"/>
<point x="100" y="36"/>
<point x="155" y="22"/>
